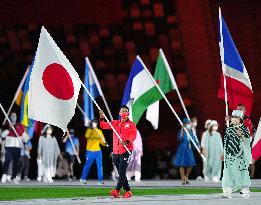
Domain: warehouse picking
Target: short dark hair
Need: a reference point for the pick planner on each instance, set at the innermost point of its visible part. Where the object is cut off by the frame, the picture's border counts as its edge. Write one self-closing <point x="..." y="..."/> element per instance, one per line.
<point x="241" y="105"/>
<point x="125" y="106"/>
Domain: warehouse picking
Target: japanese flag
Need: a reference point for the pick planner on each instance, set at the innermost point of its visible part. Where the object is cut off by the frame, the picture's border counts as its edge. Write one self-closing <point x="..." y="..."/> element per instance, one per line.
<point x="54" y="85"/>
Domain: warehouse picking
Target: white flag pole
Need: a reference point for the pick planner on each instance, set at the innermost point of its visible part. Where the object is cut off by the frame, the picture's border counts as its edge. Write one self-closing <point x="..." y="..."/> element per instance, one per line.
<point x="221" y="47"/>
<point x="96" y="104"/>
<point x="99" y="87"/>
<point x="172" y="78"/>
<point x="17" y="93"/>
<point x="84" y="115"/>
<point x="173" y="111"/>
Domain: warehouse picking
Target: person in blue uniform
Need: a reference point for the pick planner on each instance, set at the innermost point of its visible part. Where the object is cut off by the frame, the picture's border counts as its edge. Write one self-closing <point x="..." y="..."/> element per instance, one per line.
<point x="184" y="156"/>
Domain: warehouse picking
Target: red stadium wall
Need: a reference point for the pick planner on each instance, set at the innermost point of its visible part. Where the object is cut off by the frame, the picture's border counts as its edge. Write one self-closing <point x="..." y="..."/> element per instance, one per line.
<point x="198" y="22"/>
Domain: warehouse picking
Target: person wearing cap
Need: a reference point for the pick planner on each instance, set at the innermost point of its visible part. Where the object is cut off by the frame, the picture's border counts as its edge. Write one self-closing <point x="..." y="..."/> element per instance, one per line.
<point x="184" y="156"/>
<point x="248" y="123"/>
<point x="237" y="156"/>
<point x="70" y="152"/>
<point x="120" y="157"/>
<point x="213" y="151"/>
<point x="203" y="138"/>
<point x="95" y="138"/>
<point x="48" y="152"/>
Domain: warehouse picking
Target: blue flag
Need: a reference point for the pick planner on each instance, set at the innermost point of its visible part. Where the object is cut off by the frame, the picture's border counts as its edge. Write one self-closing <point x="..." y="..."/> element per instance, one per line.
<point x="90" y="84"/>
<point x="29" y="123"/>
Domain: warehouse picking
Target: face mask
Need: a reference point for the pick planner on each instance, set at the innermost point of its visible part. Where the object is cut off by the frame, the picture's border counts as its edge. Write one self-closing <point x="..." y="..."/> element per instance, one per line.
<point x="124" y="115"/>
<point x="13" y="118"/>
<point x="188" y="127"/>
<point x="94" y="125"/>
<point x="194" y="124"/>
<point x="49" y="132"/>
<point x="215" y="128"/>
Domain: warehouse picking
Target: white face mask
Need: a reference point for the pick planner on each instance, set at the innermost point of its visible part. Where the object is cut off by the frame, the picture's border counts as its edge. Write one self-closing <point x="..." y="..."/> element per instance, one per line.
<point x="188" y="127"/>
<point x="215" y="128"/>
<point x="49" y="132"/>
<point x="194" y="124"/>
<point x="94" y="125"/>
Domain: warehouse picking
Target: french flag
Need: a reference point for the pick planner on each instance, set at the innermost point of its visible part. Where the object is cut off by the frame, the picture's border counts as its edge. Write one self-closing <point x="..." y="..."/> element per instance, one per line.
<point x="256" y="147"/>
<point x="238" y="85"/>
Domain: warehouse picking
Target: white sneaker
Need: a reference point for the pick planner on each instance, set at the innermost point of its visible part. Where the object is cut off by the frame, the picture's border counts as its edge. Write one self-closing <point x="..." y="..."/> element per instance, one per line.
<point x="39" y="179"/>
<point x="199" y="178"/>
<point x="226" y="195"/>
<point x="9" y="178"/>
<point x="83" y="182"/>
<point x="100" y="183"/>
<point x="16" y="180"/>
<point x="4" y="178"/>
<point x="245" y="193"/>
<point x="215" y="180"/>
<point x="206" y="179"/>
<point x="50" y="180"/>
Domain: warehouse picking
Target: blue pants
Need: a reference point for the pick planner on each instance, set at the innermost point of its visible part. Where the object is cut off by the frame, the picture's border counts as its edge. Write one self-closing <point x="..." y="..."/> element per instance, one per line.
<point x="90" y="157"/>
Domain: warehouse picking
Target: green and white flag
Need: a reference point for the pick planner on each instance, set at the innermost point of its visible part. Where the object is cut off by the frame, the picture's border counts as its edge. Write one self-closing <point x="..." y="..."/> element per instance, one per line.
<point x="166" y="82"/>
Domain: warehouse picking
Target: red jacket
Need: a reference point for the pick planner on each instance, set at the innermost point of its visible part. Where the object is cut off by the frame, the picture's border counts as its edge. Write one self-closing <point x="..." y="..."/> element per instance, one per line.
<point x="127" y="131"/>
<point x="249" y="125"/>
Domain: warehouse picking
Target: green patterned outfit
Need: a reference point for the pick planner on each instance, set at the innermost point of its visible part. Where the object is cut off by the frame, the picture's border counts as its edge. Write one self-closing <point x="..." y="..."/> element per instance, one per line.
<point x="237" y="156"/>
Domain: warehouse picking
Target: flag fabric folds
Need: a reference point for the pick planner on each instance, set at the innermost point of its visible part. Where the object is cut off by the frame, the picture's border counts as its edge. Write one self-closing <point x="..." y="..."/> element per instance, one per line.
<point x="140" y="91"/>
<point x="24" y="119"/>
<point x="238" y="85"/>
<point x="54" y="85"/>
<point x="256" y="147"/>
<point x="166" y="82"/>
<point x="92" y="84"/>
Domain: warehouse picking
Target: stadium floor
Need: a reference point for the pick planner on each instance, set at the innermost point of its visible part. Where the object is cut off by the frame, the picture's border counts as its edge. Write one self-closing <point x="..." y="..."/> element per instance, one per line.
<point x="191" y="199"/>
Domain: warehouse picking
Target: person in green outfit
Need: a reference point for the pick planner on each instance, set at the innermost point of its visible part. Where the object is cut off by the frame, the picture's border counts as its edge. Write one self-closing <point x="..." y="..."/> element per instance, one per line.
<point x="212" y="148"/>
<point x="237" y="155"/>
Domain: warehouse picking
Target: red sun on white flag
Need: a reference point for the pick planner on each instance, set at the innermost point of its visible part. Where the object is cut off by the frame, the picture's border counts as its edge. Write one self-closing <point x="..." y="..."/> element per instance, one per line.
<point x="57" y="81"/>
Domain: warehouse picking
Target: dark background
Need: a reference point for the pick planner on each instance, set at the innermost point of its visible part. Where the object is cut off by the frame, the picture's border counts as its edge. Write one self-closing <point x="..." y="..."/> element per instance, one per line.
<point x="111" y="33"/>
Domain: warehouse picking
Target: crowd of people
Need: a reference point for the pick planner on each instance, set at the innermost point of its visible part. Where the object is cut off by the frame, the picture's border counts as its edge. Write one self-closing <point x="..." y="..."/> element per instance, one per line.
<point x="211" y="149"/>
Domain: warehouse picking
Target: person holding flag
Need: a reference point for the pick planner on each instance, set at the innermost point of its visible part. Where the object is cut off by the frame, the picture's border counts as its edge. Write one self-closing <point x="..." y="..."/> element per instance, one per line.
<point x="184" y="156"/>
<point x="13" y="147"/>
<point x="121" y="156"/>
<point x="237" y="156"/>
<point x="95" y="138"/>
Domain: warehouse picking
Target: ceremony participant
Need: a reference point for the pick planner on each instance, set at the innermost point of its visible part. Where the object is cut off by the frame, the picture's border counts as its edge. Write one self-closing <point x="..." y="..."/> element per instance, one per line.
<point x="237" y="156"/>
<point x="70" y="152"/>
<point x="248" y="123"/>
<point x="203" y="137"/>
<point x="24" y="162"/>
<point x="13" y="147"/>
<point x="48" y="152"/>
<point x="184" y="156"/>
<point x="134" y="168"/>
<point x="213" y="151"/>
<point x="127" y="131"/>
<point x="95" y="138"/>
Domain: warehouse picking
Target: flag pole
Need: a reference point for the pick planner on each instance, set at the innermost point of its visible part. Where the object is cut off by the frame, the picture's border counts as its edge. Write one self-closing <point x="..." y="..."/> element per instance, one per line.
<point x="221" y="47"/>
<point x="113" y="129"/>
<point x="172" y="78"/>
<point x="99" y="87"/>
<point x="84" y="115"/>
<point x="12" y="126"/>
<point x="74" y="150"/>
<point x="16" y="94"/>
<point x="173" y="111"/>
